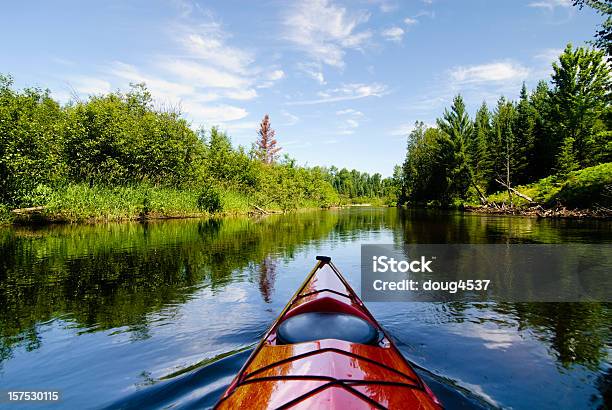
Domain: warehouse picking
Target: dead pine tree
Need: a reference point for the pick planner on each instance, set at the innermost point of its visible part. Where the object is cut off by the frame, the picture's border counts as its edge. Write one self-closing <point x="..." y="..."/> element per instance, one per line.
<point x="267" y="151"/>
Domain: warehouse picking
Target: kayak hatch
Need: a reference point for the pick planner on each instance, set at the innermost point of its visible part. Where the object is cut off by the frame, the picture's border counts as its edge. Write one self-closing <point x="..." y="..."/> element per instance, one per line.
<point x="326" y="350"/>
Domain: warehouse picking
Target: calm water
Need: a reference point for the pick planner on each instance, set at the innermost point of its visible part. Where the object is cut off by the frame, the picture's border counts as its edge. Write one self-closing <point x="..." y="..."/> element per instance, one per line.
<point x="162" y="314"/>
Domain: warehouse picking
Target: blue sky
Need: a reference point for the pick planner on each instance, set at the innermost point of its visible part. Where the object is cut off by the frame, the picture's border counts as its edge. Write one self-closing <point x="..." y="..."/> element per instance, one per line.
<point x="343" y="82"/>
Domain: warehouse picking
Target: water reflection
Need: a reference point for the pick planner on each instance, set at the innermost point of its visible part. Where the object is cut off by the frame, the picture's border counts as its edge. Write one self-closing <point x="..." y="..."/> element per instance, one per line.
<point x="135" y="280"/>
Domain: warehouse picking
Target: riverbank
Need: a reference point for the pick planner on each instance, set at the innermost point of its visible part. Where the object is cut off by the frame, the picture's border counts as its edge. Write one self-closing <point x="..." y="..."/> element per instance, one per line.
<point x="586" y="193"/>
<point x="540" y="212"/>
<point x="80" y="203"/>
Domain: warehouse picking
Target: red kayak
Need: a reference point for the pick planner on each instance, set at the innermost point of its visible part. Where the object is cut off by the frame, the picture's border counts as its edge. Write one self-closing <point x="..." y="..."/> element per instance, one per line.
<point x="326" y="350"/>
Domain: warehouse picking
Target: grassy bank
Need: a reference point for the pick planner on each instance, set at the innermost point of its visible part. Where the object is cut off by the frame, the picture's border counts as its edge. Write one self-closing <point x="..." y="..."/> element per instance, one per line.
<point x="81" y="203"/>
<point x="584" y="189"/>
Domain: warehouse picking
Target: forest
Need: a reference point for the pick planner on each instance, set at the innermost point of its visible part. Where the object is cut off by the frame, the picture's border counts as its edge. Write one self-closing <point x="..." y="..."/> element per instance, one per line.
<point x="118" y="156"/>
<point x="552" y="146"/>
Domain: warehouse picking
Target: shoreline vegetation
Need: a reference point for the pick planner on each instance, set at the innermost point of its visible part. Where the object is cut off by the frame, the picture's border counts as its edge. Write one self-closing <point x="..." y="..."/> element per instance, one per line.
<point x="119" y="157"/>
<point x="549" y="154"/>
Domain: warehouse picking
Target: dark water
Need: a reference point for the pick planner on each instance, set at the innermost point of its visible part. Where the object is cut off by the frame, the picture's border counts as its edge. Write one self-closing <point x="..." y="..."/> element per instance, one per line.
<point x="164" y="314"/>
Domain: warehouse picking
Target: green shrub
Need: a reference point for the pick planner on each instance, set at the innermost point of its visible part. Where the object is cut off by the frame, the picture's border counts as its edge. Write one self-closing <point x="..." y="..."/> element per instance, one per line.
<point x="587" y="188"/>
<point x="209" y="200"/>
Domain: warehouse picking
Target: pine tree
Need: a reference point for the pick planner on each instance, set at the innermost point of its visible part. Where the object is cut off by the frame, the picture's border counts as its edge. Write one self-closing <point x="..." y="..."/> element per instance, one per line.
<point x="566" y="160"/>
<point x="480" y="160"/>
<point x="545" y="141"/>
<point x="457" y="128"/>
<point x="524" y="134"/>
<point x="580" y="96"/>
<point x="267" y="151"/>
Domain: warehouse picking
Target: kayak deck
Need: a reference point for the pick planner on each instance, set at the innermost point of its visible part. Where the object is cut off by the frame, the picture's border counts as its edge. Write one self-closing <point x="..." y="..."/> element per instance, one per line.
<point x="327" y="373"/>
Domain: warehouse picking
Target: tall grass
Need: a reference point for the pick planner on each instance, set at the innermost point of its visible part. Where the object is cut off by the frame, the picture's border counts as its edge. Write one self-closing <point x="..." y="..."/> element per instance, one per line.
<point x="77" y="202"/>
<point x="584" y="188"/>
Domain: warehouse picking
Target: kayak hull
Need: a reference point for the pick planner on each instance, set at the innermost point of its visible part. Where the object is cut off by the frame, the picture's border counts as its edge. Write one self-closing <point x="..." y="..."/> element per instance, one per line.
<point x="327" y="373"/>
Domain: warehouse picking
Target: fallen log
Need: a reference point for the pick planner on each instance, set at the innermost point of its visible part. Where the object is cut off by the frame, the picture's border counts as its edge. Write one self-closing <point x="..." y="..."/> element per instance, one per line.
<point x="263" y="211"/>
<point x="514" y="191"/>
<point x="483" y="199"/>
<point x="34" y="209"/>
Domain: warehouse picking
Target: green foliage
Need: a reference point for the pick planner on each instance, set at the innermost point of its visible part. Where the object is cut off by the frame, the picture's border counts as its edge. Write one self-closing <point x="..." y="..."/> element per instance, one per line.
<point x="116" y="156"/>
<point x="229" y="166"/>
<point x="287" y="187"/>
<point x="30" y="143"/>
<point x="354" y="186"/>
<point x="453" y="156"/>
<point x="209" y="200"/>
<point x="566" y="160"/>
<point x="120" y="138"/>
<point x="587" y="187"/>
<point x="422" y="179"/>
<point x="480" y="158"/>
<point x="580" y="96"/>
<point x="550" y="131"/>
<point x="80" y="202"/>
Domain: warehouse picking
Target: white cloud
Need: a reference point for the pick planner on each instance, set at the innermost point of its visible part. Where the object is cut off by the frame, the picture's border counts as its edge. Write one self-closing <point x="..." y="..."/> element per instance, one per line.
<point x="350" y="121"/>
<point x="210" y="47"/>
<point x="346" y="92"/>
<point x="393" y="34"/>
<point x="325" y="31"/>
<point x="550" y="4"/>
<point x="276" y="75"/>
<point x="202" y="75"/>
<point x="410" y="21"/>
<point x="159" y="87"/>
<point x="492" y="72"/>
<point x="386" y="6"/>
<point x="215" y="114"/>
<point x="313" y="70"/>
<point x="242" y="95"/>
<point x="350" y="111"/>
<point x="425" y="13"/>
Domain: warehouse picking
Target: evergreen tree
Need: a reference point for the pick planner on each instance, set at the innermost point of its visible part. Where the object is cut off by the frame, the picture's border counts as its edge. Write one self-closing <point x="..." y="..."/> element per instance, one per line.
<point x="524" y="135"/>
<point x="456" y="128"/>
<point x="580" y="96"/>
<point x="480" y="159"/>
<point x="566" y="160"/>
<point x="545" y="142"/>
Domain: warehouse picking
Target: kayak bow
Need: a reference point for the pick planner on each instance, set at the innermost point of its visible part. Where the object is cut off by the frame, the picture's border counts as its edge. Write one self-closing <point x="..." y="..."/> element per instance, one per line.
<point x="326" y="350"/>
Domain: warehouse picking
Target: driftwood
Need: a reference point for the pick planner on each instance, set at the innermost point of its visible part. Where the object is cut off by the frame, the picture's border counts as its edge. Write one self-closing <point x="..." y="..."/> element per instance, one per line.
<point x="514" y="191"/>
<point x="263" y="211"/>
<point x="540" y="212"/>
<point x="483" y="199"/>
<point x="21" y="211"/>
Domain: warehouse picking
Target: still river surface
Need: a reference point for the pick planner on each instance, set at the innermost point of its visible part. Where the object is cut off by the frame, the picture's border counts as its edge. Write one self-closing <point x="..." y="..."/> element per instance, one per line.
<point x="164" y="314"/>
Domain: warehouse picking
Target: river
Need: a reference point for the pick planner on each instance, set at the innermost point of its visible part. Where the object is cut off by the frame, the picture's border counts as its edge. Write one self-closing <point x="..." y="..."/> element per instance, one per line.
<point x="131" y="315"/>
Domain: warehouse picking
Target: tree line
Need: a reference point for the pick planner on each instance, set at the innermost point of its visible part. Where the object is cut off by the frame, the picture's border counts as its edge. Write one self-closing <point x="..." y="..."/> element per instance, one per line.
<point x="557" y="128"/>
<point x="122" y="139"/>
<point x="354" y="184"/>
